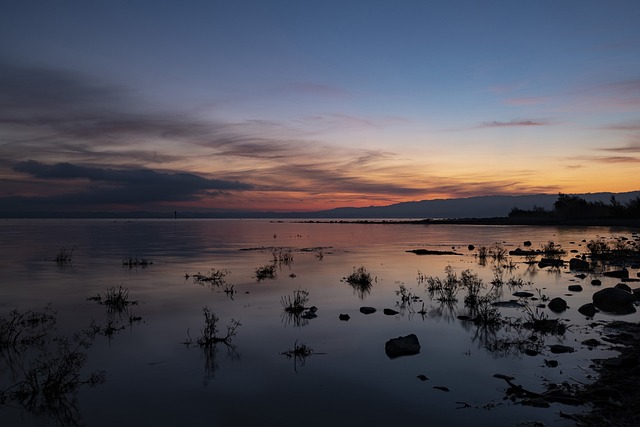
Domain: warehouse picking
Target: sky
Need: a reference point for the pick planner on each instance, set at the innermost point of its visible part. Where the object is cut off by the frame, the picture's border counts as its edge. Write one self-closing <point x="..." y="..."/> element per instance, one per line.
<point x="286" y="105"/>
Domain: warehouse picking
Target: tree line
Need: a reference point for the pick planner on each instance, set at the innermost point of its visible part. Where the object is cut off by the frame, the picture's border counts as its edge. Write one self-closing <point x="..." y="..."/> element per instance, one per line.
<point x="574" y="207"/>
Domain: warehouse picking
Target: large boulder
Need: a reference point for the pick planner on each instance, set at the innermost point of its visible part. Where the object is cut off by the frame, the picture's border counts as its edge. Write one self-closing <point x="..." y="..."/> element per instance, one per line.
<point x="579" y="264"/>
<point x="557" y="305"/>
<point x="402" y="346"/>
<point x="614" y="300"/>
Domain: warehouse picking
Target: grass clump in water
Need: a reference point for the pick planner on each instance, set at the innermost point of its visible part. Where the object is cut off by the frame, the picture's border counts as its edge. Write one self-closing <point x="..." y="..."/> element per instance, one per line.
<point x="295" y="303"/>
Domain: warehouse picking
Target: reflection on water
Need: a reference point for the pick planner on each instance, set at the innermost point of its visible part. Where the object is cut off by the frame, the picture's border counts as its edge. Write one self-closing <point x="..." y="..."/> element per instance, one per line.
<point x="460" y="306"/>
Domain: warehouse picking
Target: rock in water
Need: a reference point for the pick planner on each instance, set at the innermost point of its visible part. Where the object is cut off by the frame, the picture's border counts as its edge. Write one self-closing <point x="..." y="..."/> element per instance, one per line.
<point x="575" y="288"/>
<point x="620" y="274"/>
<point x="579" y="264"/>
<point x="588" y="310"/>
<point x="367" y="310"/>
<point x="614" y="300"/>
<point x="559" y="349"/>
<point x="557" y="305"/>
<point x="402" y="346"/>
<point x="389" y="312"/>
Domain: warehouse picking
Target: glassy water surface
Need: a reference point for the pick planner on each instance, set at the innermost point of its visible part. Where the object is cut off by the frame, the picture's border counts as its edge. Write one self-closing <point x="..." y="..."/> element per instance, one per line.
<point x="153" y="378"/>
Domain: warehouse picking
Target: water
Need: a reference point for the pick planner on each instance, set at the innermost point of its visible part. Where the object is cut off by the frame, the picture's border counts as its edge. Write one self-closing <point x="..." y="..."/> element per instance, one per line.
<point x="152" y="378"/>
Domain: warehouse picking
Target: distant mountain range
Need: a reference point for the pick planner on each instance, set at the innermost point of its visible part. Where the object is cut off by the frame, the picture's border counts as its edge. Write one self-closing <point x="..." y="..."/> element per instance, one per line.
<point x="470" y="207"/>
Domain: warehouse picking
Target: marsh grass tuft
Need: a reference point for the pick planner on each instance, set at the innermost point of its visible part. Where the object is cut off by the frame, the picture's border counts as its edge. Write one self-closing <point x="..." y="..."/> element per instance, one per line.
<point x="295" y="303"/>
<point x="213" y="277"/>
<point x="360" y="280"/>
<point x="266" y="272"/>
<point x="209" y="335"/>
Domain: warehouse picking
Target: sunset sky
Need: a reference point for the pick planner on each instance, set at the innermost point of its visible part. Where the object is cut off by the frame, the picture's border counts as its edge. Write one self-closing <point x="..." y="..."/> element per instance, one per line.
<point x="309" y="105"/>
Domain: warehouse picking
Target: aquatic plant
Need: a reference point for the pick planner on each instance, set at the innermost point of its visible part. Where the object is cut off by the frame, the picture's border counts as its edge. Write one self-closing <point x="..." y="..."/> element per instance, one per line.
<point x="497" y="252"/>
<point x="46" y="370"/>
<point x="20" y="329"/>
<point x="209" y="334"/>
<point x="265" y="272"/>
<point x="552" y="250"/>
<point x="283" y="257"/>
<point x="485" y="313"/>
<point x="359" y="277"/>
<point x="213" y="277"/>
<point x="64" y="255"/>
<point x="473" y="286"/>
<point x="597" y="247"/>
<point x="132" y="262"/>
<point x="295" y="303"/>
<point x="539" y="321"/>
<point x="299" y="354"/>
<point x="444" y="290"/>
<point x="360" y="280"/>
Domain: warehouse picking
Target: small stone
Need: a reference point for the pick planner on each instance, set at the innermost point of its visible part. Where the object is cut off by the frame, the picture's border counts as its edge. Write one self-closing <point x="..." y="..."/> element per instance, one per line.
<point x="522" y="294"/>
<point x="422" y="377"/>
<point x="559" y="349"/>
<point x="344" y="317"/>
<point x="389" y="312"/>
<point x="550" y="363"/>
<point x="575" y="288"/>
<point x="367" y="310"/>
<point x="596" y="282"/>
<point x="531" y="352"/>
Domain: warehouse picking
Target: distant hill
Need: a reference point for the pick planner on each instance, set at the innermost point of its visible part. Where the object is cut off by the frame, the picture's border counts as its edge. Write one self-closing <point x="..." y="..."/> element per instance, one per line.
<point x="471" y="207"/>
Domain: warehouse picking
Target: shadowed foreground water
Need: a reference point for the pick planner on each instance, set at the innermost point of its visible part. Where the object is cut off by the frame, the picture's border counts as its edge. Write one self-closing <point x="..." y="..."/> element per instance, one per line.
<point x="152" y="378"/>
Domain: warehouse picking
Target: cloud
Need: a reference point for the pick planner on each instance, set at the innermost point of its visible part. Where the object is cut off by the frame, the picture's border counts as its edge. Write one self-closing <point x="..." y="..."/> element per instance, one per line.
<point x="137" y="187"/>
<point x="515" y="123"/>
<point x="630" y="148"/>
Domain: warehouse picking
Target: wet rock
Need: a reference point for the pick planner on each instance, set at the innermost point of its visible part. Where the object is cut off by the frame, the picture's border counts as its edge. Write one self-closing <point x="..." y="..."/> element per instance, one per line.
<point x="344" y="317"/>
<point x="559" y="349"/>
<point x="580" y="276"/>
<point x="579" y="264"/>
<point x="550" y="262"/>
<point x="588" y="310"/>
<point x="550" y="363"/>
<point x="471" y="247"/>
<point x="389" y="312"/>
<point x="422" y="377"/>
<point x="624" y="273"/>
<point x="531" y="352"/>
<point x="596" y="282"/>
<point x="367" y="310"/>
<point x="527" y="243"/>
<point x="557" y="305"/>
<point x="402" y="346"/>
<point x="522" y="294"/>
<point x="614" y="300"/>
<point x="624" y="287"/>
<point x="440" y="387"/>
<point x="575" y="288"/>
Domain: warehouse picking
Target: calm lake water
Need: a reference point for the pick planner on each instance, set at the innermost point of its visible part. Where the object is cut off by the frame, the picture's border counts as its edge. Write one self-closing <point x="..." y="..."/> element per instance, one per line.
<point x="153" y="378"/>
